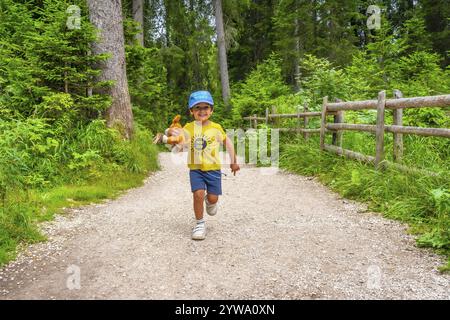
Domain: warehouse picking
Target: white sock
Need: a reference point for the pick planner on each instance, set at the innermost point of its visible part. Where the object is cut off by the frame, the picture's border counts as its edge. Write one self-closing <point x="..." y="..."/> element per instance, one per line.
<point x="200" y="221"/>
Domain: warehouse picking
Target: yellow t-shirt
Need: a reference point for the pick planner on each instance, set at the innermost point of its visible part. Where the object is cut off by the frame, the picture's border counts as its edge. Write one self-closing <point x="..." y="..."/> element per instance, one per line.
<point x="205" y="142"/>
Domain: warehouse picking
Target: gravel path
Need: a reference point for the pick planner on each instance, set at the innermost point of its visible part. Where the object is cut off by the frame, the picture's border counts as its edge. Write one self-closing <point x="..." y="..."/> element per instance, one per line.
<point x="278" y="236"/>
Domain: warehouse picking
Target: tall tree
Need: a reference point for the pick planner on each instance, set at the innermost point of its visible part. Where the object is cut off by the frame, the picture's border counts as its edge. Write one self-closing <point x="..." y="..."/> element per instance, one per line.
<point x="221" y="45"/>
<point x="255" y="38"/>
<point x="437" y="13"/>
<point x="138" y="16"/>
<point x="106" y="16"/>
<point x="292" y="36"/>
<point x="297" y="51"/>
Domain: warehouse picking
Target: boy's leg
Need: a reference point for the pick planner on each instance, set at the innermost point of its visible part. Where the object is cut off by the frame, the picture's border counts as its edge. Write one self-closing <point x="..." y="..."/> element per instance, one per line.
<point x="199" y="196"/>
<point x="198" y="187"/>
<point x="211" y="204"/>
<point x="212" y="198"/>
<point x="213" y="181"/>
<point x="199" y="231"/>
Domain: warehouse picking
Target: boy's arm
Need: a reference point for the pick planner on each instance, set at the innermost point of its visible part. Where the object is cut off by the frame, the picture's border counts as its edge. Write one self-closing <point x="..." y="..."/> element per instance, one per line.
<point x="230" y="148"/>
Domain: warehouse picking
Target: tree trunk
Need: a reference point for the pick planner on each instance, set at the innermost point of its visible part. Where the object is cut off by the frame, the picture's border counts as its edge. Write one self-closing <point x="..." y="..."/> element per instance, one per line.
<point x="167" y="16"/>
<point x="138" y="16"/>
<point x="196" y="65"/>
<point x="314" y="23"/>
<point x="297" y="55"/>
<point x="106" y="16"/>
<point x="222" y="52"/>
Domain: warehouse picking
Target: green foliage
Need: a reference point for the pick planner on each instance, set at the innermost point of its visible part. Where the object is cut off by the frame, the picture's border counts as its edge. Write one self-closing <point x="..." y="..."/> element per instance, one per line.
<point x="254" y="39"/>
<point x="55" y="149"/>
<point x="40" y="56"/>
<point x="40" y="175"/>
<point x="382" y="67"/>
<point x="16" y="226"/>
<point x="52" y="136"/>
<point x="259" y="90"/>
<point x="388" y="62"/>
<point x="419" y="74"/>
<point x="435" y="14"/>
<point x="26" y="147"/>
<point x="148" y="87"/>
<point x="415" y="34"/>
<point x="183" y="34"/>
<point x="321" y="79"/>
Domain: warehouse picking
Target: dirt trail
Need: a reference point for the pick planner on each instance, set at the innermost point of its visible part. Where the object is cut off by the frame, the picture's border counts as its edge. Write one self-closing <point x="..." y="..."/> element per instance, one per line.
<point x="276" y="236"/>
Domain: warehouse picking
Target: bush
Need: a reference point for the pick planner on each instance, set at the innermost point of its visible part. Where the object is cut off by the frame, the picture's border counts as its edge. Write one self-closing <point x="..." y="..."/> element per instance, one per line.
<point x="259" y="91"/>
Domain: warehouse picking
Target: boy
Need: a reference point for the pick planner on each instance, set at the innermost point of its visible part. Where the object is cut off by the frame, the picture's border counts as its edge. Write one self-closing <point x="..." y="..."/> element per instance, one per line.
<point x="203" y="139"/>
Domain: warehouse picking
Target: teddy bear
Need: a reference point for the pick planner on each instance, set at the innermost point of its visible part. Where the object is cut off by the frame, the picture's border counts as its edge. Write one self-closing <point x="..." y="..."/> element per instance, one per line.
<point x="172" y="138"/>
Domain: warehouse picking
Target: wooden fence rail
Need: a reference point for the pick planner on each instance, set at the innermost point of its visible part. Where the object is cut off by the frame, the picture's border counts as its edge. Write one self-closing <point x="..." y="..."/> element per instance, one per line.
<point x="381" y="128"/>
<point x="436" y="132"/>
<point x="400" y="103"/>
<point x="275" y="117"/>
<point x="337" y="109"/>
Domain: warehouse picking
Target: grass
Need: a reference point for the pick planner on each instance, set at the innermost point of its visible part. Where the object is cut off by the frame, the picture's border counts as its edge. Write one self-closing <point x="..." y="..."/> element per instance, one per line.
<point x="108" y="186"/>
<point x="23" y="210"/>
<point x="423" y="202"/>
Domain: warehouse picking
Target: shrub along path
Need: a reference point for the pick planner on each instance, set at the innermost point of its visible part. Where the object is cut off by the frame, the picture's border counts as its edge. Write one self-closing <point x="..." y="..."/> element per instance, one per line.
<point x="278" y="236"/>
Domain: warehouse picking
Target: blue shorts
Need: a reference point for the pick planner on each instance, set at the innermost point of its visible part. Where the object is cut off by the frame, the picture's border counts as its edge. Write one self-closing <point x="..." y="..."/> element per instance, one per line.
<point x="211" y="181"/>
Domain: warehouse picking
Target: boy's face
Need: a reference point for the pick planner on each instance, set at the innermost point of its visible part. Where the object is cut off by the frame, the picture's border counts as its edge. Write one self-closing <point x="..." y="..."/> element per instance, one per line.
<point x="201" y="111"/>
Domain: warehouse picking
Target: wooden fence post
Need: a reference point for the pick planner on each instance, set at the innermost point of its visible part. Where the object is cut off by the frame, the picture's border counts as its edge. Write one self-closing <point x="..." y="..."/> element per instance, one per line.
<point x="305" y="121"/>
<point x="267" y="116"/>
<point x="341" y="119"/>
<point x="298" y="120"/>
<point x="338" y="118"/>
<point x="398" y="137"/>
<point x="379" y="155"/>
<point x="255" y="121"/>
<point x="323" y="122"/>
<point x="275" y="120"/>
<point x="251" y="123"/>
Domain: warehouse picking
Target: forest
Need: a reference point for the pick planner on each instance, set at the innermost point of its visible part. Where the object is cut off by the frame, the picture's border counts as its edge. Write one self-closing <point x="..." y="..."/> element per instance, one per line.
<point x="77" y="117"/>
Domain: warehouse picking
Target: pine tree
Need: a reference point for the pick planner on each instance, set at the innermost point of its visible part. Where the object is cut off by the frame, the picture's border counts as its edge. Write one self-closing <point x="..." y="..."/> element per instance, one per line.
<point x="222" y="52"/>
<point x="42" y="57"/>
<point x="107" y="17"/>
<point x="138" y="15"/>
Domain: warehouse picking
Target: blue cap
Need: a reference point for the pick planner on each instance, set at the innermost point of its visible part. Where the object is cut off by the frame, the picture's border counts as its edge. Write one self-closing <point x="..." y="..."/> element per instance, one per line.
<point x="200" y="96"/>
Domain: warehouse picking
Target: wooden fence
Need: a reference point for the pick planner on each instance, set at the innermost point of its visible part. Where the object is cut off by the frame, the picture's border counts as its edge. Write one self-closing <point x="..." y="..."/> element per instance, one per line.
<point x="302" y="116"/>
<point x="336" y="128"/>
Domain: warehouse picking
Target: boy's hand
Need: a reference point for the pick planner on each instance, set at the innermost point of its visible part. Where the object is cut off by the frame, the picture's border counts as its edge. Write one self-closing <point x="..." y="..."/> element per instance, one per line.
<point x="174" y="132"/>
<point x="234" y="168"/>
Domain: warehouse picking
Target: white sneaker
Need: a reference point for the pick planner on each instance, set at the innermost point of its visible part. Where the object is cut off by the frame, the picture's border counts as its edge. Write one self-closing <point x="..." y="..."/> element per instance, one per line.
<point x="211" y="209"/>
<point x="199" y="232"/>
